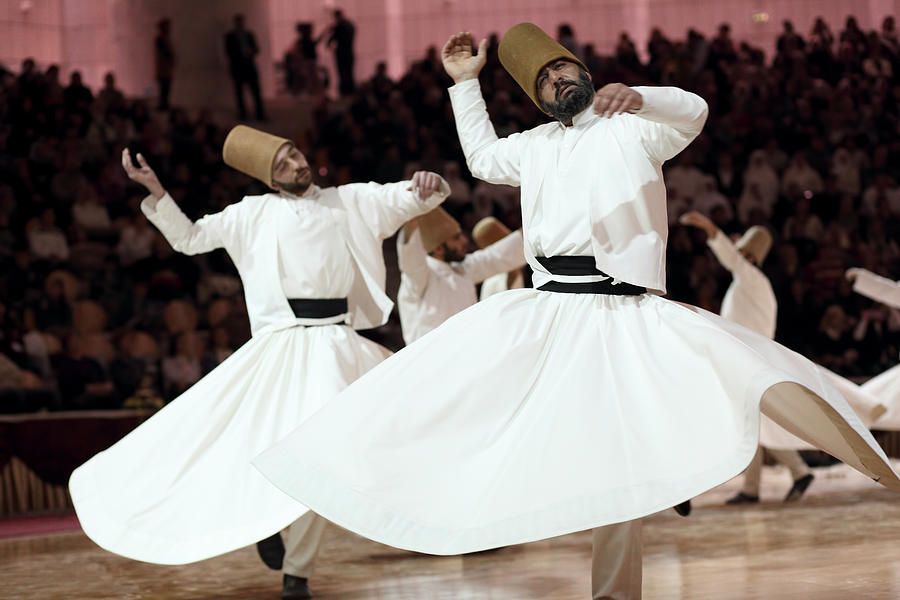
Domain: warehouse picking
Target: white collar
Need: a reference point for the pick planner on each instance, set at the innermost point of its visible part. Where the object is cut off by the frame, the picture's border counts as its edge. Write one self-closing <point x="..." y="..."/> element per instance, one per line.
<point x="582" y="118"/>
<point x="311" y="193"/>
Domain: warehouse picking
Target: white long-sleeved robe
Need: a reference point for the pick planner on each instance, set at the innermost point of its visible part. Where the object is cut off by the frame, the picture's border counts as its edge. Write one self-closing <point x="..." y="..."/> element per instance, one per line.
<point x="180" y="487"/>
<point x="432" y="291"/>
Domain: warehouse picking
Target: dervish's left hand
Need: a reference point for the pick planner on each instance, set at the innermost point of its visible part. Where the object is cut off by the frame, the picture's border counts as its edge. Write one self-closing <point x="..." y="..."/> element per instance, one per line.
<point x="426" y="183"/>
<point x="616" y="98"/>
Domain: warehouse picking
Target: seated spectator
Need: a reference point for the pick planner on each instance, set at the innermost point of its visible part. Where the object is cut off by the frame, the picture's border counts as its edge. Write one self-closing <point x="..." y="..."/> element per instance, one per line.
<point x="136" y="241"/>
<point x="801" y="175"/>
<point x="46" y="241"/>
<point x="185" y="368"/>
<point x="834" y="346"/>
<point x="883" y="188"/>
<point x="83" y="383"/>
<point x="110" y="98"/>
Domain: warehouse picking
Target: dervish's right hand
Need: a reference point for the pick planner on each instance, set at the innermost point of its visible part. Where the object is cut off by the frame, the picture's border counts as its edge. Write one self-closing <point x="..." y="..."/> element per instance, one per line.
<point x="853" y="273"/>
<point x="459" y="62"/>
<point x="143" y="175"/>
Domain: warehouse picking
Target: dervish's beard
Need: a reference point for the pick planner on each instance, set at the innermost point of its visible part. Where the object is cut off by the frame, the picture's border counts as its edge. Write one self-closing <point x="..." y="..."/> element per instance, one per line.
<point x="567" y="105"/>
<point x="452" y="255"/>
<point x="298" y="188"/>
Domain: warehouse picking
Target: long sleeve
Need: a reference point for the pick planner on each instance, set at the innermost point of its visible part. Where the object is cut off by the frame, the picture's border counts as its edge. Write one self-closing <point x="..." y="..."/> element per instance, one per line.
<point x="204" y="235"/>
<point x="386" y="207"/>
<point x="413" y="266"/>
<point x="500" y="257"/>
<point x="670" y="119"/>
<point x="877" y="288"/>
<point x="488" y="158"/>
<point x="729" y="257"/>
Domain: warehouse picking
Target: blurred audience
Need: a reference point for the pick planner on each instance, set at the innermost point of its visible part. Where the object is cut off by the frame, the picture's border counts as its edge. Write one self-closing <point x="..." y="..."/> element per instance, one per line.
<point x="98" y="312"/>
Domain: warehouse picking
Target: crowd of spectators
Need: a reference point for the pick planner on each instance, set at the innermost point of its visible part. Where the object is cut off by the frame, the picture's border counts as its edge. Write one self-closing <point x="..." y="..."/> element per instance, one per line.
<point x="97" y="311"/>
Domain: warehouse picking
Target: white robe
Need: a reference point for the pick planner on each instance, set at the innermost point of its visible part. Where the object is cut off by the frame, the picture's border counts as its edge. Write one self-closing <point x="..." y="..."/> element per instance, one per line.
<point x="431" y="290"/>
<point x="180" y="488"/>
<point x="750" y="301"/>
<point x="501" y="282"/>
<point x="885" y="386"/>
<point x="564" y="412"/>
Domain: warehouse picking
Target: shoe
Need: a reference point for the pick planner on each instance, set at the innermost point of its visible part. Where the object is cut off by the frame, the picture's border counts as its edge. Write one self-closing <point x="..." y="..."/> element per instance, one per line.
<point x="295" y="588"/>
<point x="743" y="498"/>
<point x="683" y="509"/>
<point x="271" y="551"/>
<point x="798" y="488"/>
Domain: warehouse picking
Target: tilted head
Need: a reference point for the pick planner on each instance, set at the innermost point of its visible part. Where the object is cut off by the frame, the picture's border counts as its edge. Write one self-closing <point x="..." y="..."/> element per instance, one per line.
<point x="556" y="81"/>
<point x="439" y="231"/>
<point x="755" y="244"/>
<point x="271" y="159"/>
<point x="489" y="231"/>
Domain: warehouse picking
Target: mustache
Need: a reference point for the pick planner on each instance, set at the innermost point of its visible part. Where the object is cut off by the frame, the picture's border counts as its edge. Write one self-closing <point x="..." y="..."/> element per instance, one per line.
<point x="304" y="171"/>
<point x="562" y="85"/>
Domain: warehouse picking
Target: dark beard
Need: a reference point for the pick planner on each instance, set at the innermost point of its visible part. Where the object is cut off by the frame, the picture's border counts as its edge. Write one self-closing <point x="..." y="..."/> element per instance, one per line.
<point x="451" y="255"/>
<point x="565" y="108"/>
<point x="297" y="189"/>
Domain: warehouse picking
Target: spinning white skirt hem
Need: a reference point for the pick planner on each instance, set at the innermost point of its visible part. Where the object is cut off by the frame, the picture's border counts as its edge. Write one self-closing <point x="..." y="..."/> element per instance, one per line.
<point x="181" y="488"/>
<point x="535" y="414"/>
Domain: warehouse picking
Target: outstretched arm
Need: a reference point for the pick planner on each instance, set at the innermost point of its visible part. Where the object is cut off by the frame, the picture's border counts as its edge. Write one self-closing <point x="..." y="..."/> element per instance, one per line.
<point x="488" y="158"/>
<point x="386" y="207"/>
<point x="875" y="287"/>
<point x="727" y="255"/>
<point x="159" y="207"/>
<point x="500" y="257"/>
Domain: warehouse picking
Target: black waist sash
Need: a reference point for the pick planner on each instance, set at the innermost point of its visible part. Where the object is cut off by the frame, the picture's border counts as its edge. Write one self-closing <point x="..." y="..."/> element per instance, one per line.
<point x="318" y="308"/>
<point x="583" y="266"/>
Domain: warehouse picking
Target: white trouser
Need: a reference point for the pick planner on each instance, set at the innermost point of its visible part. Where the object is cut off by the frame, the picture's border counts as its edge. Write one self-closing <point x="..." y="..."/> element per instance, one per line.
<point x="302" y="540"/>
<point x="616" y="563"/>
<point x="789" y="458"/>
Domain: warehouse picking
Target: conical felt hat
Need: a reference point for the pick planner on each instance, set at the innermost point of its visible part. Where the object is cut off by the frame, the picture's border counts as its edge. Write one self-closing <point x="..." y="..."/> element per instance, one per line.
<point x="489" y="231"/>
<point x="437" y="227"/>
<point x="525" y="49"/>
<point x="756" y="241"/>
<point x="252" y="152"/>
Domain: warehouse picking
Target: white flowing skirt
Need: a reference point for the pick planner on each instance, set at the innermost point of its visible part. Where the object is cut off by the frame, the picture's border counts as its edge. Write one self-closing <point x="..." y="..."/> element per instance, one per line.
<point x="886" y="387"/>
<point x="865" y="404"/>
<point x="181" y="488"/>
<point x="535" y="414"/>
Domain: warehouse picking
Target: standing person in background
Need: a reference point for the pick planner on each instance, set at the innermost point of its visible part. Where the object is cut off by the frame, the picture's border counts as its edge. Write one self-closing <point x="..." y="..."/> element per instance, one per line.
<point x="241" y="48"/>
<point x="164" y="62"/>
<point x="341" y="39"/>
<point x="438" y="277"/>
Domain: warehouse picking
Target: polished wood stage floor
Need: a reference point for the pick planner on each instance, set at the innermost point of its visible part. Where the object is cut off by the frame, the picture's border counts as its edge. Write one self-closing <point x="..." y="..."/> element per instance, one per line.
<point x="840" y="542"/>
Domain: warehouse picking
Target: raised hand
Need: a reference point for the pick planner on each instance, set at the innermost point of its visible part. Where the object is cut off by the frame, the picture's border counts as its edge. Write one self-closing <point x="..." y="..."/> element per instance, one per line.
<point x="459" y="62"/>
<point x="426" y="183"/>
<point x="695" y="219"/>
<point x="143" y="175"/>
<point x="852" y="273"/>
<point x="615" y="98"/>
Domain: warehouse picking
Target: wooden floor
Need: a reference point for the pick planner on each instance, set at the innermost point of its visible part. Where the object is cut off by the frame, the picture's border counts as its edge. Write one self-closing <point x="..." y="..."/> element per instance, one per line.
<point x="840" y="542"/>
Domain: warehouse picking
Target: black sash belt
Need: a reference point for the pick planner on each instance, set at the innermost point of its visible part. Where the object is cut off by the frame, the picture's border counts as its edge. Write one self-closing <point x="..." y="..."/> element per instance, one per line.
<point x="583" y="266"/>
<point x="318" y="308"/>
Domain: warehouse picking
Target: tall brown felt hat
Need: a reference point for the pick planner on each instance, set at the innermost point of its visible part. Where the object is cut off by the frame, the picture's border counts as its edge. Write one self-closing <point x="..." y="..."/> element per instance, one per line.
<point x="525" y="49"/>
<point x="252" y="152"/>
<point x="756" y="242"/>
<point x="437" y="227"/>
<point x="489" y="231"/>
